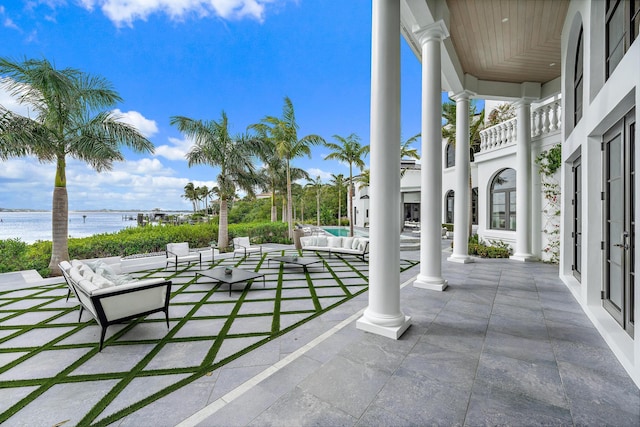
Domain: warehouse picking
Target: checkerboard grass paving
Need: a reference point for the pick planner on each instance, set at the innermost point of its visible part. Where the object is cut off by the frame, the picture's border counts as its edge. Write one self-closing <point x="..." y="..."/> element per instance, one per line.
<point x="47" y="355"/>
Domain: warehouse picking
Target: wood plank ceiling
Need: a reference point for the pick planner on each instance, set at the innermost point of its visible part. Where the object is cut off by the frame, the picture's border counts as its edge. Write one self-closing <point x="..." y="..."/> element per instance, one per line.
<point x="508" y="40"/>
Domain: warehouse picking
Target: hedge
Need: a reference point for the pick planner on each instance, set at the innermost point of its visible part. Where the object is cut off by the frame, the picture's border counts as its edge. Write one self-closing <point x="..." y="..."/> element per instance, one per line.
<point x="16" y="255"/>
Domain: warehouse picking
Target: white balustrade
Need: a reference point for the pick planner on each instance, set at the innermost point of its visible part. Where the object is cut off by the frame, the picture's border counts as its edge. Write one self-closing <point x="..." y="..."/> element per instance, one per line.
<point x="545" y="120"/>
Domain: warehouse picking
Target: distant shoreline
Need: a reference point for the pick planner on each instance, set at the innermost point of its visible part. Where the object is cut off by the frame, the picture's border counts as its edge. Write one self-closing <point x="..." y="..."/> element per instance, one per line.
<point x="98" y="210"/>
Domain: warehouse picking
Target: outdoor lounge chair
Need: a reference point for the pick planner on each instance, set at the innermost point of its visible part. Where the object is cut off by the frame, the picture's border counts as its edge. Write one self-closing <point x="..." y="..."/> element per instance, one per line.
<point x="180" y="252"/>
<point x="242" y="245"/>
<point x="114" y="298"/>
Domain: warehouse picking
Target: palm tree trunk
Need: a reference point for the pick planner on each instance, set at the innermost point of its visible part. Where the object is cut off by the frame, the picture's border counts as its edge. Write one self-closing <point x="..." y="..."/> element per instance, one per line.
<point x="223" y="228"/>
<point x="284" y="210"/>
<point x="59" y="219"/>
<point x="339" y="207"/>
<point x="274" y="209"/>
<point x="318" y="208"/>
<point x="289" y="202"/>
<point x="350" y="201"/>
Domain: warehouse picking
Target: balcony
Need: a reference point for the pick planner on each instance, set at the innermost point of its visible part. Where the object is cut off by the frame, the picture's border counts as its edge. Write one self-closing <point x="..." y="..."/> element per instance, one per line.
<point x="545" y="121"/>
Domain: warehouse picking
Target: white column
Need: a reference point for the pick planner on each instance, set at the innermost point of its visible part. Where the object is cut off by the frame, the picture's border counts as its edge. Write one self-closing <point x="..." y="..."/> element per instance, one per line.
<point x="383" y="315"/>
<point x="523" y="183"/>
<point x="461" y="201"/>
<point x="430" y="276"/>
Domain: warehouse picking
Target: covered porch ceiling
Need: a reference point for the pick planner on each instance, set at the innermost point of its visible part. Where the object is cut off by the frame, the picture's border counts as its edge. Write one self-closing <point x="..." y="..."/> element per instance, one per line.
<point x="494" y="46"/>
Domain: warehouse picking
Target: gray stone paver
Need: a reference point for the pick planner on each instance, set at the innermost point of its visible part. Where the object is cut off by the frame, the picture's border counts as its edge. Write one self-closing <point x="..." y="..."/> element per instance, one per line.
<point x="490" y="350"/>
<point x="505" y="344"/>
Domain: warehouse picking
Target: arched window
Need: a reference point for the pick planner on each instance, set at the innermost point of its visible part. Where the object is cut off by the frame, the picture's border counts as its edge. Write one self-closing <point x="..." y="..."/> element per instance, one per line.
<point x="474" y="205"/>
<point x="577" y="80"/>
<point x="503" y="200"/>
<point x="449" y="207"/>
<point x="450" y="155"/>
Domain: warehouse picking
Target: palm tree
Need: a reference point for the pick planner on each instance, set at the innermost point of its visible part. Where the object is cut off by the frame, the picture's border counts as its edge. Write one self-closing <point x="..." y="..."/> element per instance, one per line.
<point x="363" y="179"/>
<point x="190" y="194"/>
<point x="203" y="194"/>
<point x="316" y="184"/>
<point x="274" y="168"/>
<point x="214" y="146"/>
<point x="303" y="194"/>
<point x="283" y="132"/>
<point x="69" y="121"/>
<point x="349" y="151"/>
<point x="406" y="151"/>
<point x="476" y="122"/>
<point x="338" y="182"/>
<point x="297" y="174"/>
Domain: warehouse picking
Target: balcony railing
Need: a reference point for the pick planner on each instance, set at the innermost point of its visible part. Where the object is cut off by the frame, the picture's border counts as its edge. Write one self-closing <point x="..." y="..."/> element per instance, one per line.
<point x="545" y="120"/>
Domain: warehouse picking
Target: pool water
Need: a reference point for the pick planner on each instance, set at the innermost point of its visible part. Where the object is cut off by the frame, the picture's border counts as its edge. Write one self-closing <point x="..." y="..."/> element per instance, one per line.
<point x="342" y="232"/>
<point x="337" y="231"/>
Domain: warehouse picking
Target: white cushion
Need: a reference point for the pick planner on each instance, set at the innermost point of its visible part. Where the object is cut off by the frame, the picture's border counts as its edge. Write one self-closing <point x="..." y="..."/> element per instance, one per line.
<point x="355" y="243"/>
<point x="347" y="242"/>
<point x="242" y="241"/>
<point x="76" y="263"/>
<point x="179" y="249"/>
<point x="103" y="269"/>
<point x="88" y="286"/>
<point x="362" y="245"/>
<point x="86" y="272"/>
<point x="321" y="241"/>
<point x="94" y="264"/>
<point x="101" y="282"/>
<point x="334" y="242"/>
<point x="121" y="279"/>
<point x="75" y="274"/>
<point x="66" y="266"/>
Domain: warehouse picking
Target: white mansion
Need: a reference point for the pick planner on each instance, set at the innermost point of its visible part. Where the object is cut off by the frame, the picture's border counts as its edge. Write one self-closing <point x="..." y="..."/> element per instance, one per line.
<point x="572" y="70"/>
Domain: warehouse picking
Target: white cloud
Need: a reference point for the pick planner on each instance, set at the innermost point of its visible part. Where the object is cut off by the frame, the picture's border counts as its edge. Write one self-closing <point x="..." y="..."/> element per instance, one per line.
<point x="176" y="151"/>
<point x="125" y="12"/>
<point x="147" y="127"/>
<point x="315" y="172"/>
<point x="11" y="103"/>
<point x="8" y="22"/>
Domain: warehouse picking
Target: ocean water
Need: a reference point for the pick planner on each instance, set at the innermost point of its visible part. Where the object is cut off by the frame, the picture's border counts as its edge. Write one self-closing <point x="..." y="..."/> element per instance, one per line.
<point x="32" y="226"/>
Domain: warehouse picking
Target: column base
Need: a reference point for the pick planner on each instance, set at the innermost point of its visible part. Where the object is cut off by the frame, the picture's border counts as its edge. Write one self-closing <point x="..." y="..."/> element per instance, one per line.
<point x="460" y="259"/>
<point x="523" y="257"/>
<point x="431" y="283"/>
<point x="393" y="332"/>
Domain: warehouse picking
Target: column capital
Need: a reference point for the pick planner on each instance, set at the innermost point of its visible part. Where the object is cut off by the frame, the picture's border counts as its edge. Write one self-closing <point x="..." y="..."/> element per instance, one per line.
<point x="462" y="95"/>
<point x="436" y="31"/>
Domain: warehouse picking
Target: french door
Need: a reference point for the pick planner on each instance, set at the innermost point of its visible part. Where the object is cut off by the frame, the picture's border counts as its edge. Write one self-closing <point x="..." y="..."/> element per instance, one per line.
<point x="576" y="232"/>
<point x="619" y="221"/>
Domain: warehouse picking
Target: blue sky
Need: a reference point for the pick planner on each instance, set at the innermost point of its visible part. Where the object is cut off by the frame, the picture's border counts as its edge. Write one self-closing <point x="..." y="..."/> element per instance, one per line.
<point x="196" y="58"/>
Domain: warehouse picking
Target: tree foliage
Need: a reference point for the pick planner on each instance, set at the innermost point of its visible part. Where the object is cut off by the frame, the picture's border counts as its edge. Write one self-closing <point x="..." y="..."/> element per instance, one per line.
<point x="69" y="120"/>
<point x="215" y="146"/>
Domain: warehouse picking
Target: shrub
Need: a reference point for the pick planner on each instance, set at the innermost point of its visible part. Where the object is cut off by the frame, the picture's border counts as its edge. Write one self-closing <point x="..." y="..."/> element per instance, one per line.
<point x="495" y="249"/>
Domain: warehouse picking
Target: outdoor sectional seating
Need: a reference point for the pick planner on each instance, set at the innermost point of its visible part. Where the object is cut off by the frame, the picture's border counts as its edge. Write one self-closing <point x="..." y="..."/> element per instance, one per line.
<point x="113" y="298"/>
<point x="358" y="246"/>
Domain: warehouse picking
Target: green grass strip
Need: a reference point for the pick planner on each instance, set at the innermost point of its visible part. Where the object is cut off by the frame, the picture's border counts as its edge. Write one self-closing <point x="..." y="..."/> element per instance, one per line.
<point x="118" y="388"/>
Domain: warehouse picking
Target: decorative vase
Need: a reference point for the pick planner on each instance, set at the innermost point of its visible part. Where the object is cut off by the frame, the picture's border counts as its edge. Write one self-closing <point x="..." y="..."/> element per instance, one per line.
<point x="228" y="270"/>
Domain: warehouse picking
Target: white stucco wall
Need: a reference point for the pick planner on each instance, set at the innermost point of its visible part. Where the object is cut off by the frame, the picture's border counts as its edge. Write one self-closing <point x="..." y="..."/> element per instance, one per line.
<point x="605" y="103"/>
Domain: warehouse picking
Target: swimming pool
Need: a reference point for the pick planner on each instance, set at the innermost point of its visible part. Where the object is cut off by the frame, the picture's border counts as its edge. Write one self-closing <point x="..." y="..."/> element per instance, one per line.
<point x="344" y="231"/>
